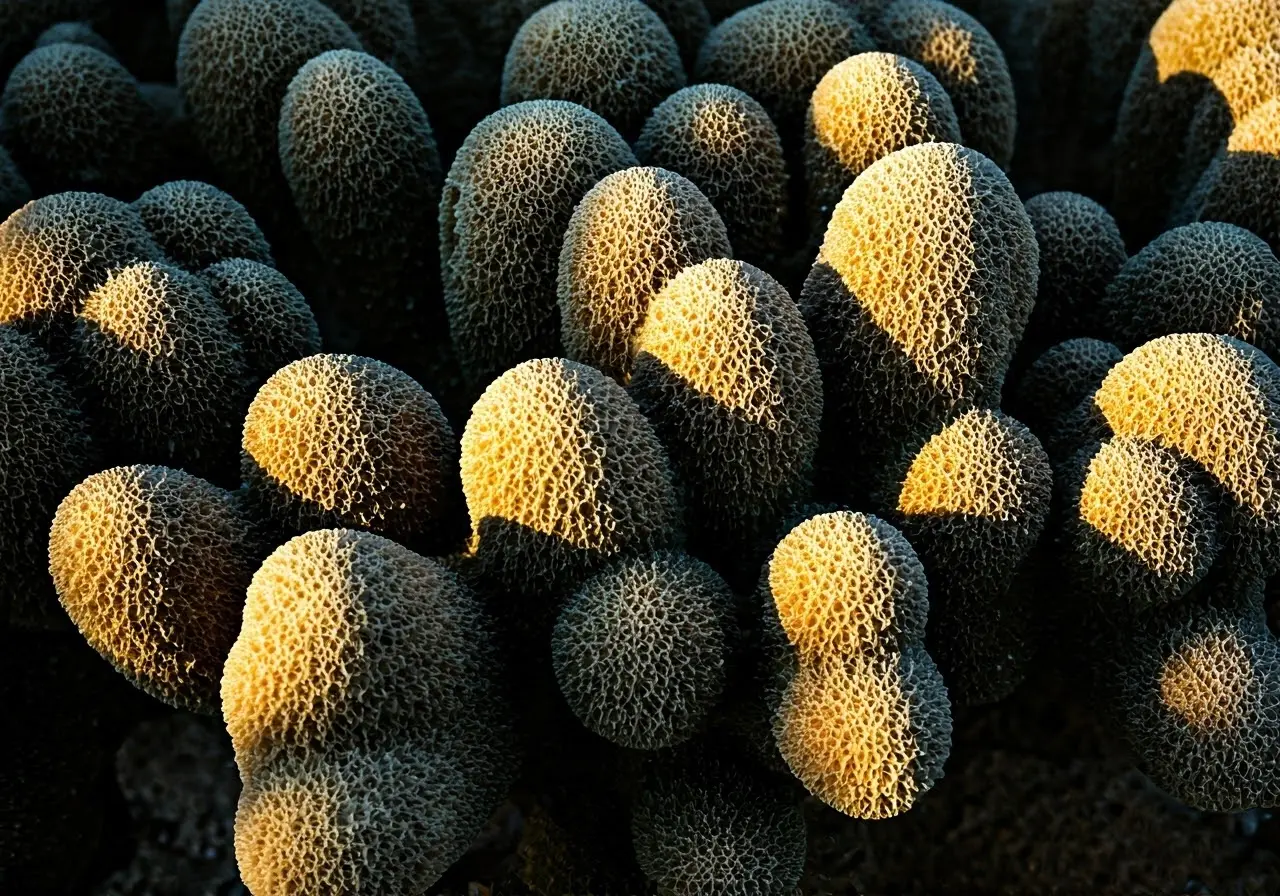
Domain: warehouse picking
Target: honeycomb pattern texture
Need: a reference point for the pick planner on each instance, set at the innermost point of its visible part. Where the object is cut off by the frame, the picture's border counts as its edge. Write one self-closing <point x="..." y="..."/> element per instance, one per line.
<point x="1238" y="185"/>
<point x="688" y="21"/>
<point x="1189" y="43"/>
<point x="1201" y="278"/>
<point x="76" y="120"/>
<point x="640" y="650"/>
<point x="196" y="225"/>
<point x="152" y="564"/>
<point x="864" y="108"/>
<point x="364" y="171"/>
<point x="235" y="61"/>
<point x="1142" y="523"/>
<point x="507" y="201"/>
<point x="1197" y="692"/>
<point x="706" y="825"/>
<point x="1060" y="379"/>
<point x="44" y="452"/>
<point x="56" y="249"/>
<point x="22" y="21"/>
<point x="616" y="57"/>
<point x="265" y="312"/>
<point x="1081" y="251"/>
<point x="340" y="440"/>
<point x="777" y="51"/>
<point x="1216" y="401"/>
<point x="630" y="234"/>
<point x="919" y="295"/>
<point x="15" y="192"/>
<point x="561" y="472"/>
<point x="166" y="377"/>
<point x="974" y="503"/>
<point x="725" y="143"/>
<point x="860" y="712"/>
<point x="726" y="372"/>
<point x="966" y="60"/>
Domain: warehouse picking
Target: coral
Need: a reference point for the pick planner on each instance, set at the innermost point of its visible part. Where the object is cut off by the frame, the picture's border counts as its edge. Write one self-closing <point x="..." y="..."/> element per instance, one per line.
<point x="630" y="234"/>
<point x="151" y="564"/>
<point x="1081" y="251"/>
<point x="76" y="120"/>
<point x="725" y="143"/>
<point x="196" y="224"/>
<point x="640" y="649"/>
<point x="15" y="192"/>
<point x="1142" y="523"/>
<point x="966" y="60"/>
<point x="507" y="200"/>
<point x="23" y="21"/>
<point x="708" y="825"/>
<point x="340" y="440"/>
<point x="688" y="22"/>
<point x="363" y="168"/>
<point x="1063" y="376"/>
<point x="44" y="452"/>
<point x="864" y="108"/>
<point x="777" y="51"/>
<point x="919" y="295"/>
<point x="616" y="57"/>
<point x="561" y="472"/>
<point x="386" y="29"/>
<point x="1201" y="278"/>
<point x="1216" y="401"/>
<point x="235" y="61"/>
<point x="265" y="312"/>
<point x="1239" y="185"/>
<point x="73" y="33"/>
<point x="725" y="371"/>
<point x="167" y="378"/>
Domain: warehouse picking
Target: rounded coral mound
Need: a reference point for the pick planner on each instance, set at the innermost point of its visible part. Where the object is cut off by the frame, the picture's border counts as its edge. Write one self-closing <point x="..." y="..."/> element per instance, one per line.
<point x="166" y="376"/>
<point x="688" y="21"/>
<point x="363" y="168"/>
<point x="1081" y="251"/>
<point x="974" y="503"/>
<point x="196" y="224"/>
<point x="235" y="61"/>
<point x="725" y="143"/>
<point x="265" y="312"/>
<point x="777" y="51"/>
<point x="1141" y="524"/>
<point x="386" y="29"/>
<point x="1062" y="377"/>
<point x="44" y="452"/>
<point x="1201" y="278"/>
<point x="640" y="651"/>
<point x="966" y="60"/>
<point x="151" y="564"/>
<point x="629" y="235"/>
<point x="708" y="825"/>
<point x="55" y="250"/>
<point x="507" y="201"/>
<point x="561" y="472"/>
<point x="76" y="120"/>
<point x="74" y="33"/>
<point x="1216" y="401"/>
<point x="340" y="440"/>
<point x="725" y="371"/>
<point x="616" y="57"/>
<point x="912" y="321"/>
<point x="864" y="108"/>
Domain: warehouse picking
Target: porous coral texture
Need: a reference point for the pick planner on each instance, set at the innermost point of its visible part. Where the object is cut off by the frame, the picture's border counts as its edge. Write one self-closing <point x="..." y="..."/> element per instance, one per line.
<point x="196" y="225"/>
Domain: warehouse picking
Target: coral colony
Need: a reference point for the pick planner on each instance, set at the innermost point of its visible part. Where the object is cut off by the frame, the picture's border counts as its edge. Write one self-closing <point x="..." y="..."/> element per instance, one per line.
<point x="614" y="447"/>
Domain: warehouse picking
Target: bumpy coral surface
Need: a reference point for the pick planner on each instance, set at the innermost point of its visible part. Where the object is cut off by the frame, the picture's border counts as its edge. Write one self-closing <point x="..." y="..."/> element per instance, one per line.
<point x="616" y="57"/>
<point x="386" y="29"/>
<point x="151" y="564"/>
<point x="56" y="249"/>
<point x="864" y="108"/>
<point x="340" y="440"/>
<point x="966" y="60"/>
<point x="561" y="472"/>
<point x="629" y="235"/>
<point x="507" y="201"/>
<point x="1201" y="278"/>
<point x="196" y="225"/>
<point x="777" y="51"/>
<point x="725" y="143"/>
<point x="1062" y="377"/>
<point x="640" y="651"/>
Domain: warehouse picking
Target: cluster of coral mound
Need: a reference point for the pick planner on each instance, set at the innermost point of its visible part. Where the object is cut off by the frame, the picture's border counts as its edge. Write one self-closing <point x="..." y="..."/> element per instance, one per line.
<point x="564" y="444"/>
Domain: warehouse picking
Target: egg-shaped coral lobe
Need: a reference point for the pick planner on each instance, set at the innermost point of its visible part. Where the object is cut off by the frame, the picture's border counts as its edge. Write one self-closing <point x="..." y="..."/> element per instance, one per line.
<point x="196" y="225"/>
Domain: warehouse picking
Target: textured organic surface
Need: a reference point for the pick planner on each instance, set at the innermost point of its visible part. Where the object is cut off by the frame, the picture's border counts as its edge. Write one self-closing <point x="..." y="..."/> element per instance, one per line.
<point x="196" y="224"/>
